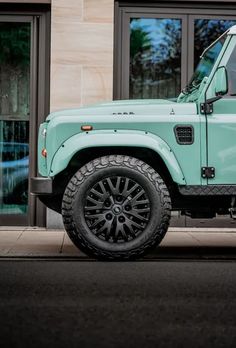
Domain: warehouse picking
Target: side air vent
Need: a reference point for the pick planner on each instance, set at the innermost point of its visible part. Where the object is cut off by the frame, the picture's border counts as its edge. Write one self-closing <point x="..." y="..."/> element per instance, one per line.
<point x="184" y="134"/>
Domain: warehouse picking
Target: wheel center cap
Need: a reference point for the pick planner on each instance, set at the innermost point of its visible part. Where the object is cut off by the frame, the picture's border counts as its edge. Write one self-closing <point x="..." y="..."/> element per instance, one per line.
<point x="117" y="209"/>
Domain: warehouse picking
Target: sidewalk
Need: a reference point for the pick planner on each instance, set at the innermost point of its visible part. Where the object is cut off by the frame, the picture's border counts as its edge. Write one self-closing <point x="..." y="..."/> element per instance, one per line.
<point x="179" y="242"/>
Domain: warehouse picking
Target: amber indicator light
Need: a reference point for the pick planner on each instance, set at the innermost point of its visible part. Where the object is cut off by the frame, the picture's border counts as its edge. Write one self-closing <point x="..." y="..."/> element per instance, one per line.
<point x="44" y="152"/>
<point x="86" y="128"/>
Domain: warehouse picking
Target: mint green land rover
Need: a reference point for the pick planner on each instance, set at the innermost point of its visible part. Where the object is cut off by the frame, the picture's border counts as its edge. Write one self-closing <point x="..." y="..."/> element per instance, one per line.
<point x="116" y="170"/>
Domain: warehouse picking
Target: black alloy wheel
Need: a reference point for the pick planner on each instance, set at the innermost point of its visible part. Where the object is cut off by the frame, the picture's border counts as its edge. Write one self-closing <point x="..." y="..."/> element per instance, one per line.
<point x="116" y="208"/>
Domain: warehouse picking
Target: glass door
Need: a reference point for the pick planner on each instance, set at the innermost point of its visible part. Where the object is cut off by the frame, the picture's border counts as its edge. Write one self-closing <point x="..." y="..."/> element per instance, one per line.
<point x="15" y="72"/>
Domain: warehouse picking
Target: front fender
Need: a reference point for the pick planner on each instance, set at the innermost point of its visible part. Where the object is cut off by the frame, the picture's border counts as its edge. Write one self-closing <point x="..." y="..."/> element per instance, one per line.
<point x="118" y="138"/>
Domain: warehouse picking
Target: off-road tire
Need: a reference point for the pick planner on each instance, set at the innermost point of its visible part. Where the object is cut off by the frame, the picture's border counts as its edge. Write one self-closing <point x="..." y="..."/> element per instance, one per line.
<point x="129" y="168"/>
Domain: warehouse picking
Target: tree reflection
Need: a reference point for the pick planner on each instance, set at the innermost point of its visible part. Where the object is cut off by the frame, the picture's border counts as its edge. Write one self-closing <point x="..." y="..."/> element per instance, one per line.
<point x="155" y="58"/>
<point x="205" y="32"/>
<point x="155" y="53"/>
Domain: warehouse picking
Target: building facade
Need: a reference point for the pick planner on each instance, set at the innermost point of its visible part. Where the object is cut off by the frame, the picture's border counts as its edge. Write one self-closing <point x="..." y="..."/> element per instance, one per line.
<point x="58" y="54"/>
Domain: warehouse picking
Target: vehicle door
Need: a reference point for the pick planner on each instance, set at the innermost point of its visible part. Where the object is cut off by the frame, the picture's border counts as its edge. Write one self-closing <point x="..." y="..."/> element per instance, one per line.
<point x="221" y="123"/>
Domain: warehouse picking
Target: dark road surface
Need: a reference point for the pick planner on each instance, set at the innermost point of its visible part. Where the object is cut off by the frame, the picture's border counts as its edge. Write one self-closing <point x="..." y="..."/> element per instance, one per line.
<point x="132" y="304"/>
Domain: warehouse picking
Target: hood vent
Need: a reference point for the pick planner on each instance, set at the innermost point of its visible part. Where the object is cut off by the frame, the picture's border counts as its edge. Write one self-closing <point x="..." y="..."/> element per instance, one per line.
<point x="184" y="134"/>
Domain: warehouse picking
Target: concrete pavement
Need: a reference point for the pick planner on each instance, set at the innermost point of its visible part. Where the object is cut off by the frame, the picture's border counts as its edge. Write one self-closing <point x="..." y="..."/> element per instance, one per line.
<point x="178" y="242"/>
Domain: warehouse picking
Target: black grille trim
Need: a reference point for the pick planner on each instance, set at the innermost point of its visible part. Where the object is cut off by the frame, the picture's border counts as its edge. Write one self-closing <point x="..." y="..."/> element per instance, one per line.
<point x="184" y="134"/>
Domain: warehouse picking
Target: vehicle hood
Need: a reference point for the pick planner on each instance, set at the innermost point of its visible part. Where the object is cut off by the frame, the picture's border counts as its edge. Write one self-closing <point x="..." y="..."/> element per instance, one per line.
<point x="129" y="107"/>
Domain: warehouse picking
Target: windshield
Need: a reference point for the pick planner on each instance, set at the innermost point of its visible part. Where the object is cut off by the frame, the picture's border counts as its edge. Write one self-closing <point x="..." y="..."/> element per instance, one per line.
<point x="206" y="63"/>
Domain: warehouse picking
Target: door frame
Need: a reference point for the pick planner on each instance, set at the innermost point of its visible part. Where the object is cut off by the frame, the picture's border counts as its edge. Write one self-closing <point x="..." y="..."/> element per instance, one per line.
<point x="39" y="102"/>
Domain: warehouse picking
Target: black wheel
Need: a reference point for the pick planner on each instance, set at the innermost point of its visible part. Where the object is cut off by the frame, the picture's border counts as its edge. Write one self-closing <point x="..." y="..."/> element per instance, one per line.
<point x="116" y="207"/>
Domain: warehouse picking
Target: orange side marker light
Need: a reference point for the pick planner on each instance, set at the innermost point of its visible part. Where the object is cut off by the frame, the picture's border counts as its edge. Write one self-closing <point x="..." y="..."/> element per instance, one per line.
<point x="86" y="128"/>
<point x="44" y="153"/>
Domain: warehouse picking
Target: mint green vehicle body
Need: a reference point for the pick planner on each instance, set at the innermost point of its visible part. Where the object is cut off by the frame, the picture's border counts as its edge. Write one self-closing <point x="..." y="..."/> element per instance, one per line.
<point x="150" y="125"/>
<point x="144" y="128"/>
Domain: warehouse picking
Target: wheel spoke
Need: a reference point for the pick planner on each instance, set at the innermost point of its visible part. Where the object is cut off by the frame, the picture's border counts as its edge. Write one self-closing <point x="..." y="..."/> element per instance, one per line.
<point x="116" y="230"/>
<point x="92" y="200"/>
<point x="129" y="225"/>
<point x="125" y="189"/>
<point x="106" y="226"/>
<point x="93" y="216"/>
<point x="119" y="229"/>
<point x="130" y="230"/>
<point x="131" y="190"/>
<point x="122" y="231"/>
<point x="108" y="231"/>
<point x="97" y="193"/>
<point x="118" y="185"/>
<point x="117" y="209"/>
<point x="112" y="200"/>
<point x="136" y="197"/>
<point x="144" y="210"/>
<point x="100" y="219"/>
<point x="138" y="216"/>
<point x="102" y="187"/>
<point x="114" y="189"/>
<point x="92" y="207"/>
<point x="144" y="201"/>
<point x="135" y="224"/>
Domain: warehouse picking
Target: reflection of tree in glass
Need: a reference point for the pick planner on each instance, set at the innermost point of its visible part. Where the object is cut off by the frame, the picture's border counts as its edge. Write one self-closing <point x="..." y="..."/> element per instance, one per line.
<point x="140" y="45"/>
<point x="205" y="32"/>
<point x="155" y="55"/>
<point x="14" y="70"/>
<point x="14" y="43"/>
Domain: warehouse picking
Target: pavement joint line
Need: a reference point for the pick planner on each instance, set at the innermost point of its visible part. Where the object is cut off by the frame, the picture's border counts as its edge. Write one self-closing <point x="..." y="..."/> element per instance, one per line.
<point x="195" y="238"/>
<point x="15" y="243"/>
<point x="62" y="244"/>
<point x="20" y="235"/>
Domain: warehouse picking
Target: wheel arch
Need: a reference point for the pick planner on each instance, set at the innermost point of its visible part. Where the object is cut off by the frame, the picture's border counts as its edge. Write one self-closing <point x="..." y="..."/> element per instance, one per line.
<point x="86" y="155"/>
<point x="83" y="147"/>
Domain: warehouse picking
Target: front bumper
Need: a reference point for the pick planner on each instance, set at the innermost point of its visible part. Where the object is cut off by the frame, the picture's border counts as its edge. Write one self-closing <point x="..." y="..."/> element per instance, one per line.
<point x="41" y="186"/>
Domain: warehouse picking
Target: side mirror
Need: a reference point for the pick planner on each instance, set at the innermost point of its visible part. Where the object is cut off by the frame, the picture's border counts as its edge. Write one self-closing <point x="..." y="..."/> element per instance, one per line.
<point x="221" y="81"/>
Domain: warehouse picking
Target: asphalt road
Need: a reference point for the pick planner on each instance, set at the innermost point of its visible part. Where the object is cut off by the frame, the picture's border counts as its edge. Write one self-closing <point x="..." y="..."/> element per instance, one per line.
<point x="133" y="304"/>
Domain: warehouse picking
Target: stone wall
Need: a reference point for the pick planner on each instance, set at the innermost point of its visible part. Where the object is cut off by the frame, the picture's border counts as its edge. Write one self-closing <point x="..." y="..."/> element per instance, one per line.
<point x="81" y="52"/>
<point x="81" y="58"/>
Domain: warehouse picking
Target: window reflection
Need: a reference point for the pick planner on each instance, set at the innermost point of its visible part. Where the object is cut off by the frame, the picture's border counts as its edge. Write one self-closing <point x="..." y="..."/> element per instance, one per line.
<point x="231" y="73"/>
<point x="206" y="31"/>
<point x="14" y="116"/>
<point x="207" y="62"/>
<point x="155" y="58"/>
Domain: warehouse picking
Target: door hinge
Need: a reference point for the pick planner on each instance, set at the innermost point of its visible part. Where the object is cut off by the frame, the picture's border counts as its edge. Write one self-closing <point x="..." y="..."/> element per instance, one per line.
<point x="208" y="172"/>
<point x="206" y="108"/>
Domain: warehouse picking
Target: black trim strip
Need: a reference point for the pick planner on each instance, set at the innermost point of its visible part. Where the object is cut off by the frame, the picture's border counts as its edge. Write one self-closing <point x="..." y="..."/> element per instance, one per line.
<point x="208" y="190"/>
